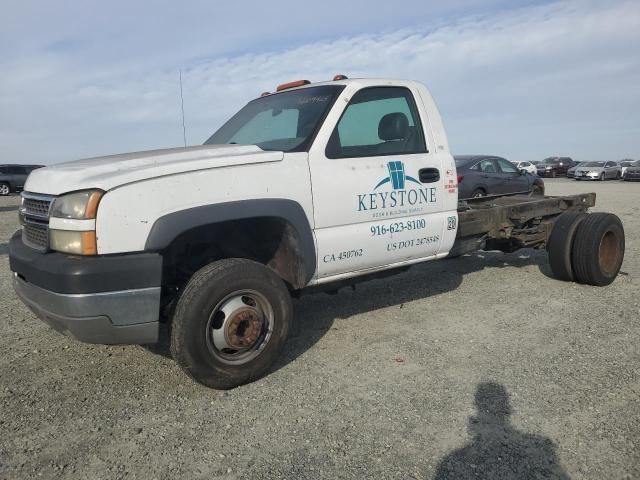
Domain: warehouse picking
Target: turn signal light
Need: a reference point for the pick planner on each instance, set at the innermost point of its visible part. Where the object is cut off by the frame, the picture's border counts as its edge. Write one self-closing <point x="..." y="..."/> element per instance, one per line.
<point x="297" y="83"/>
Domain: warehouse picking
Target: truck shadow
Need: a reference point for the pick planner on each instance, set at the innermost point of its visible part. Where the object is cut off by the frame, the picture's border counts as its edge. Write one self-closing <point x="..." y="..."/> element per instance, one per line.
<point x="4" y="248"/>
<point x="314" y="314"/>
<point x="497" y="449"/>
<point x="9" y="208"/>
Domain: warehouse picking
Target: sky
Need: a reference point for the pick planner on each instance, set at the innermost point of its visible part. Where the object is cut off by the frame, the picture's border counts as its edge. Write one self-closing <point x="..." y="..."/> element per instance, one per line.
<point x="525" y="80"/>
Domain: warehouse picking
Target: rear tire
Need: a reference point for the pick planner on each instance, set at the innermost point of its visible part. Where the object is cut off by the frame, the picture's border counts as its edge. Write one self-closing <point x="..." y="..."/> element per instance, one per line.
<point x="478" y="193"/>
<point x="553" y="174"/>
<point x="537" y="191"/>
<point x="560" y="244"/>
<point x="230" y="323"/>
<point x="5" y="189"/>
<point x="598" y="249"/>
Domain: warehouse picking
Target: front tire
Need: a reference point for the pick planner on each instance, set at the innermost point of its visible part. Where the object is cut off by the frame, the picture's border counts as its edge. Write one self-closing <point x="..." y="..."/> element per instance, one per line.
<point x="5" y="189"/>
<point x="231" y="323"/>
<point x="603" y="177"/>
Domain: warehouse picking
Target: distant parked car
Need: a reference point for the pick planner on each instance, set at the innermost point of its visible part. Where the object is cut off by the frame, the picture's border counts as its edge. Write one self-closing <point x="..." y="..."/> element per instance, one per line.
<point x="571" y="173"/>
<point x="598" y="171"/>
<point x="12" y="177"/>
<point x="554" y="166"/>
<point x="632" y="173"/>
<point x="527" y="167"/>
<point x="624" y="164"/>
<point x="482" y="175"/>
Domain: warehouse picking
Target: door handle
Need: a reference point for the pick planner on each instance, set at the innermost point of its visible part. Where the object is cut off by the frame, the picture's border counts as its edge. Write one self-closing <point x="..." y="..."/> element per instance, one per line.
<point x="429" y="175"/>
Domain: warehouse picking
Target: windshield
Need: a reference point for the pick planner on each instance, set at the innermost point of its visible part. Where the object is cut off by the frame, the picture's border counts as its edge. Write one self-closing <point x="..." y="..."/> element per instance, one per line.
<point x="627" y="163"/>
<point x="285" y="121"/>
<point x="592" y="164"/>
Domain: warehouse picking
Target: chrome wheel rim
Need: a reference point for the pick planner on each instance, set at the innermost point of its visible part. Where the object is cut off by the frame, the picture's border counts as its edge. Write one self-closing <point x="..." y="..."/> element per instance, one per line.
<point x="239" y="327"/>
<point x="4" y="189"/>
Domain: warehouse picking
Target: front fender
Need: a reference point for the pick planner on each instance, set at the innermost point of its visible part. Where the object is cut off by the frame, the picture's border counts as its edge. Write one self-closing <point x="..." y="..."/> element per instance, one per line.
<point x="168" y="227"/>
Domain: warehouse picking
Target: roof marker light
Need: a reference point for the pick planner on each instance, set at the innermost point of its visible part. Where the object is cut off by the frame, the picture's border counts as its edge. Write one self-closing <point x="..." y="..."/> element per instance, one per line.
<point x="297" y="83"/>
<point x="340" y="77"/>
<point x="264" y="94"/>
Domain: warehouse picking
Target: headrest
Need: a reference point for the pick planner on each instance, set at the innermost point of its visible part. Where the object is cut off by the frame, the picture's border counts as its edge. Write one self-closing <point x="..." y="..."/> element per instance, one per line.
<point x="393" y="126"/>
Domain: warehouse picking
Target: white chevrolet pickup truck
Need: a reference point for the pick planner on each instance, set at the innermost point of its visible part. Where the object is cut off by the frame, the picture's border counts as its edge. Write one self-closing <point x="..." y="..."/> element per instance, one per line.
<point x="316" y="185"/>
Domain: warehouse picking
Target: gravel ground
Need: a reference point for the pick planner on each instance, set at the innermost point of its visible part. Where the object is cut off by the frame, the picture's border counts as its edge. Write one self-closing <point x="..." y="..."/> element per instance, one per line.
<point x="466" y="368"/>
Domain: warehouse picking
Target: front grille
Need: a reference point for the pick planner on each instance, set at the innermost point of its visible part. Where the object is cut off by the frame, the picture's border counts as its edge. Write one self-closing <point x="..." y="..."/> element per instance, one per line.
<point x="36" y="235"/>
<point x="34" y="214"/>
<point x="36" y="206"/>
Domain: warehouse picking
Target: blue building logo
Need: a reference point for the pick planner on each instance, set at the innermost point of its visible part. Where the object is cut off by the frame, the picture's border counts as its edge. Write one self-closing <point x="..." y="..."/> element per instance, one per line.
<point x="402" y="195"/>
<point x="397" y="176"/>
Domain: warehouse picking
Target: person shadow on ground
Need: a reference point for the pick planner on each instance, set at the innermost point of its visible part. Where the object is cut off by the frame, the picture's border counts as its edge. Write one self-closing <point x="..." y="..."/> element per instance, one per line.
<point x="498" y="450"/>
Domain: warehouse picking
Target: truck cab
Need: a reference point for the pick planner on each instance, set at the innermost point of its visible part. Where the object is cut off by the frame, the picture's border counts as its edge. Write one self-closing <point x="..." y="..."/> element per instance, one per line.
<point x="316" y="184"/>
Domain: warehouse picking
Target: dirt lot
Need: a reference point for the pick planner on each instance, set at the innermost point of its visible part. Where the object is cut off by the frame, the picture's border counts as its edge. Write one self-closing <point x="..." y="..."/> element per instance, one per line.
<point x="378" y="383"/>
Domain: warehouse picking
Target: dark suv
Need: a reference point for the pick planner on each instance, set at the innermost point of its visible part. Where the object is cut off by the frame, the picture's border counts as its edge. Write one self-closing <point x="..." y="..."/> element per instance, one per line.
<point x="554" y="166"/>
<point x="12" y="177"/>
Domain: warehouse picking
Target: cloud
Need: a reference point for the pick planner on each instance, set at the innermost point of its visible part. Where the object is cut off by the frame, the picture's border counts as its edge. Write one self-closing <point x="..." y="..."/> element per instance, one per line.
<point x="559" y="78"/>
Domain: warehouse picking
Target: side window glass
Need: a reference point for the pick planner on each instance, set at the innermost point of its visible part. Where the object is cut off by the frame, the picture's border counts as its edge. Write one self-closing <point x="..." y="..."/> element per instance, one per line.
<point x="487" y="166"/>
<point x="378" y="121"/>
<point x="506" y="167"/>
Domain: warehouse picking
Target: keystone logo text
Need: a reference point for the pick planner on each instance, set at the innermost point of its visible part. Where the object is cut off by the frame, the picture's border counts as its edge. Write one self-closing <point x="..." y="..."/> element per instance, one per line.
<point x="401" y="195"/>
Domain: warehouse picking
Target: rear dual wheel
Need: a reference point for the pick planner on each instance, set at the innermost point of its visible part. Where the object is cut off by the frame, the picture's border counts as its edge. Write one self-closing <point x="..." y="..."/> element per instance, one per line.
<point x="586" y="248"/>
<point x="598" y="249"/>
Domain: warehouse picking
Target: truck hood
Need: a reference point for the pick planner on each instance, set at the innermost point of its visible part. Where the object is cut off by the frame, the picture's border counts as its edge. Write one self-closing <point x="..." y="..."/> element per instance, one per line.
<point x="112" y="171"/>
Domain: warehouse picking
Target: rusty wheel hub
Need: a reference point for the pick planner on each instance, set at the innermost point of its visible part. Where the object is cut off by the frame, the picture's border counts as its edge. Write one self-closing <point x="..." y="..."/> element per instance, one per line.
<point x="244" y="328"/>
<point x="240" y="326"/>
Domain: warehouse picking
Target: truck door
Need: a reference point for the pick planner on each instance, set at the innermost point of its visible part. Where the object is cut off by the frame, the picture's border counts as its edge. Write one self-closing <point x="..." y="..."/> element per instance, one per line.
<point x="377" y="187"/>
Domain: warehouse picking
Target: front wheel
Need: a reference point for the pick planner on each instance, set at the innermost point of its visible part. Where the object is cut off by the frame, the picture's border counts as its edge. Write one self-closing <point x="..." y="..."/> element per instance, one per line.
<point x="4" y="189"/>
<point x="603" y="177"/>
<point x="230" y="323"/>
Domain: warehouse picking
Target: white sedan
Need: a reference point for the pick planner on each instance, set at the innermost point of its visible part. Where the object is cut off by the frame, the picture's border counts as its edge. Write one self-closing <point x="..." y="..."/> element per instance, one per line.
<point x="527" y="167"/>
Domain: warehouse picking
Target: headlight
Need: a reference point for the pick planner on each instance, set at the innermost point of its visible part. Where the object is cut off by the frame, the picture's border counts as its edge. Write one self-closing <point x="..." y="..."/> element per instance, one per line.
<point x="74" y="242"/>
<point x="77" y="206"/>
<point x="79" y="210"/>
